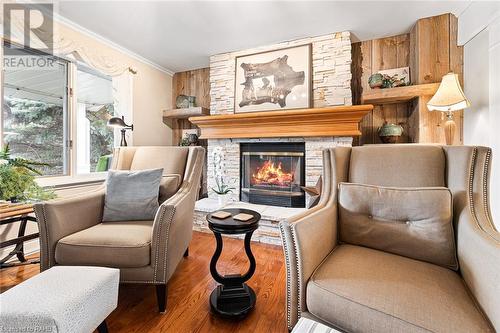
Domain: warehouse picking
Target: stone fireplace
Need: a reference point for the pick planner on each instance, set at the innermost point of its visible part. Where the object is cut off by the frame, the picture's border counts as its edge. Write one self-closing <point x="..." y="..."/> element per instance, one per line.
<point x="267" y="172"/>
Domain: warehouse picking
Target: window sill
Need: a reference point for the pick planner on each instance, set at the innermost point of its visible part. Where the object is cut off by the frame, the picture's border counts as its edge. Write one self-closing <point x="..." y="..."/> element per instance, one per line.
<point x="72" y="181"/>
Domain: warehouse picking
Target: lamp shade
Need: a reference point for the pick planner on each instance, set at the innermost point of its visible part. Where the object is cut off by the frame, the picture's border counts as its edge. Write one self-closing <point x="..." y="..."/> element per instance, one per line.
<point x="118" y="123"/>
<point x="449" y="96"/>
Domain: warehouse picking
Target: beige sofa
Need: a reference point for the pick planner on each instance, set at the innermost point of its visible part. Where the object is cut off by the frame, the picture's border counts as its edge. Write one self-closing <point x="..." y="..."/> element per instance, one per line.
<point x="364" y="289"/>
<point x="71" y="231"/>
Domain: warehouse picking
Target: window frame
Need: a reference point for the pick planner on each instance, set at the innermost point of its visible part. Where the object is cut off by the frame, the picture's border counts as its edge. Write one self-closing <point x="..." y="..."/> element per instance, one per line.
<point x="67" y="135"/>
<point x="70" y="126"/>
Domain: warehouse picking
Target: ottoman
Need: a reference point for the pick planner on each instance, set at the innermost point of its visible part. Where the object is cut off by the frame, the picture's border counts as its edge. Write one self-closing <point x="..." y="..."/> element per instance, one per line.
<point x="61" y="299"/>
<point x="305" y="325"/>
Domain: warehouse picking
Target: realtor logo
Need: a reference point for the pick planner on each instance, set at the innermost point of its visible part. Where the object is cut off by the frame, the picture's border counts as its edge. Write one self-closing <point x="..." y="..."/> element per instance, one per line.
<point x="28" y="27"/>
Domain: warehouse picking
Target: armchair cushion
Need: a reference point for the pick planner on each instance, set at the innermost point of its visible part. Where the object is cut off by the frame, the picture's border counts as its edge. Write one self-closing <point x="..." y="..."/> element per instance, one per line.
<point x="169" y="185"/>
<point x="363" y="290"/>
<point x="132" y="195"/>
<point x="398" y="165"/>
<point x="412" y="222"/>
<point x="172" y="161"/>
<point x="113" y="244"/>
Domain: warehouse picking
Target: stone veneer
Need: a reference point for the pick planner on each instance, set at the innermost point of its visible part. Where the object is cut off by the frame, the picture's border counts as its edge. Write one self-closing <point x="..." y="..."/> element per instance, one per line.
<point x="331" y="85"/>
<point x="231" y="147"/>
<point x="331" y="72"/>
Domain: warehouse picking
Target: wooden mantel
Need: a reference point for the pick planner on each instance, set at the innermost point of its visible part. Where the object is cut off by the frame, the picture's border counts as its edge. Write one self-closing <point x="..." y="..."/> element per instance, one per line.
<point x="329" y="121"/>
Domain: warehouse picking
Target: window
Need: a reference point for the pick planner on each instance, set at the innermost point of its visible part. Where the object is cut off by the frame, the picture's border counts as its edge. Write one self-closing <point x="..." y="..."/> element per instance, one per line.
<point x="94" y="139"/>
<point x="34" y="119"/>
<point x="58" y="115"/>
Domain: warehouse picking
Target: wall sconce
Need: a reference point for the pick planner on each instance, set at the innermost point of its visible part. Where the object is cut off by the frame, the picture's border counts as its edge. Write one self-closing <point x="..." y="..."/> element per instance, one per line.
<point x="117" y="122"/>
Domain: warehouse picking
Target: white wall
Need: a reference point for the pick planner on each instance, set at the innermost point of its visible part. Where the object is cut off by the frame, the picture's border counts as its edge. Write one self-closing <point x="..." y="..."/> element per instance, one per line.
<point x="479" y="31"/>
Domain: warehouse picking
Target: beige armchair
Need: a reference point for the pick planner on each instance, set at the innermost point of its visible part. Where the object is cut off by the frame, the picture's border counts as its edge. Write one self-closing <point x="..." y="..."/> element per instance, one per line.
<point x="71" y="231"/>
<point x="360" y="289"/>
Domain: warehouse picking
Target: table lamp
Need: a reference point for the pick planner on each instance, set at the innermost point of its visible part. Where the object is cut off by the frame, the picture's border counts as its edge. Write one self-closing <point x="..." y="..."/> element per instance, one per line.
<point x="449" y="98"/>
<point x="118" y="122"/>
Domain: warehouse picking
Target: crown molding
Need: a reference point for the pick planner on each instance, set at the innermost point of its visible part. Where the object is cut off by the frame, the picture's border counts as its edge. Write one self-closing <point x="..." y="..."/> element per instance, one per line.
<point x="61" y="19"/>
<point x="475" y="18"/>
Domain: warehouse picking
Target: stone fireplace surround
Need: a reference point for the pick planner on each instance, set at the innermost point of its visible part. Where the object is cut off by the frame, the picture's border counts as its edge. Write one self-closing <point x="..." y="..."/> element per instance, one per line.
<point x="331" y="85"/>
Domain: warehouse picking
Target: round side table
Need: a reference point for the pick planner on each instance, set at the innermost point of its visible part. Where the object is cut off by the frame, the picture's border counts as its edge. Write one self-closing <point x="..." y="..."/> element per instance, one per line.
<point x="233" y="297"/>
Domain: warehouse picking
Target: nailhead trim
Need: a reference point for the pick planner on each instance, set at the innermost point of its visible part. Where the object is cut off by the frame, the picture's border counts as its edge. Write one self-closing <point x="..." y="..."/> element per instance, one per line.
<point x="486" y="202"/>
<point x="43" y="219"/>
<point x="299" y="279"/>
<point x="158" y="233"/>
<point x="471" y="186"/>
<point x="288" y="277"/>
<point x="170" y="217"/>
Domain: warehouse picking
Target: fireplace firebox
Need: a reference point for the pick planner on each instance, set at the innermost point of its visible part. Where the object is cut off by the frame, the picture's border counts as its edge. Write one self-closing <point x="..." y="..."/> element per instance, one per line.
<point x="272" y="173"/>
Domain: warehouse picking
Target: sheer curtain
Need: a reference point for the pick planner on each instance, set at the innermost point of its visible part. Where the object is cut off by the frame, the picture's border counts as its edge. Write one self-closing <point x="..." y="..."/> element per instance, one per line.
<point x="123" y="99"/>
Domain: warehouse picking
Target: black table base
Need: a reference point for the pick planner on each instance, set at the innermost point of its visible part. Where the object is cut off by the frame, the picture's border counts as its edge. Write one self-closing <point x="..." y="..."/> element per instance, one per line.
<point x="232" y="301"/>
<point x="18" y="250"/>
<point x="233" y="298"/>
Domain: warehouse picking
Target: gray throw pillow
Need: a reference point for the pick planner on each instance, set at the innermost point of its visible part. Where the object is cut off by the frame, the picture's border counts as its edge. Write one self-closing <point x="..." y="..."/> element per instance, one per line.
<point x="131" y="195"/>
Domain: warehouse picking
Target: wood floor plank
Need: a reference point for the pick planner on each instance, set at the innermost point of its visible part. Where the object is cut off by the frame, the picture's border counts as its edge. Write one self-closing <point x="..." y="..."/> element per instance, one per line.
<point x="189" y="288"/>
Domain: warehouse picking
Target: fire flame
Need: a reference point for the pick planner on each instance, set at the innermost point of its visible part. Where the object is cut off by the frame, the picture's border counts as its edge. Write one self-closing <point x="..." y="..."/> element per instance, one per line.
<point x="271" y="174"/>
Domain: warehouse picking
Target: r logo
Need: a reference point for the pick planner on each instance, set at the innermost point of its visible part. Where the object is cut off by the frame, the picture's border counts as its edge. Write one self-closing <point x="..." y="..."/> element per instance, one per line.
<point x="29" y="24"/>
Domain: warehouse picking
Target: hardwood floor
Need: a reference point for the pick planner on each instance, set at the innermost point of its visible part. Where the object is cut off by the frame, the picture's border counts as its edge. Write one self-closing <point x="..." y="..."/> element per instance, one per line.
<point x="189" y="289"/>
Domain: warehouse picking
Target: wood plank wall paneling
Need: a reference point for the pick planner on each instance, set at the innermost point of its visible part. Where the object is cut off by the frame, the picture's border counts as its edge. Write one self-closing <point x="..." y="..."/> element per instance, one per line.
<point x="369" y="57"/>
<point x="191" y="83"/>
<point x="435" y="52"/>
<point x="431" y="51"/>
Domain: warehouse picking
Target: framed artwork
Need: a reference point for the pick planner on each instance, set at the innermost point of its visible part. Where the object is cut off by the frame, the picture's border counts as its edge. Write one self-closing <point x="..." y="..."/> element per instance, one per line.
<point x="273" y="80"/>
<point x="398" y="76"/>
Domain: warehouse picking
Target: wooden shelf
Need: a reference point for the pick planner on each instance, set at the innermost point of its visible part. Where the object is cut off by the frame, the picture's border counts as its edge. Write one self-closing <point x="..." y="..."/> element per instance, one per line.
<point x="330" y="121"/>
<point x="185" y="113"/>
<point x="398" y="94"/>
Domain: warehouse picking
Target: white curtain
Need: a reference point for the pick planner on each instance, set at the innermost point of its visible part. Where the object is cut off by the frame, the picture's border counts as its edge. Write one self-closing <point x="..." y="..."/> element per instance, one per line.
<point x="63" y="46"/>
<point x="122" y="100"/>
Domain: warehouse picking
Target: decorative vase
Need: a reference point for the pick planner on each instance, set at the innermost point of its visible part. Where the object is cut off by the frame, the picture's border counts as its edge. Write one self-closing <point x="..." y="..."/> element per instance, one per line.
<point x="183" y="101"/>
<point x="389" y="133"/>
<point x="376" y="81"/>
<point x="192" y="139"/>
<point x="223" y="199"/>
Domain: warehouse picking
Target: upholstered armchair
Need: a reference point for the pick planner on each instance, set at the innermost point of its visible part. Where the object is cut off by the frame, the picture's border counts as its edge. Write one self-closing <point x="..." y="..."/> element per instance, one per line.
<point x="369" y="288"/>
<point x="72" y="231"/>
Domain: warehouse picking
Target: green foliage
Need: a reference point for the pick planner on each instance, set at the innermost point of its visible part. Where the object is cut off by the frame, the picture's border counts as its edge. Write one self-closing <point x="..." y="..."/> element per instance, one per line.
<point x="17" y="178"/>
<point x="36" y="131"/>
<point x="19" y="183"/>
<point x="20" y="162"/>
<point x="101" y="136"/>
<point x="221" y="186"/>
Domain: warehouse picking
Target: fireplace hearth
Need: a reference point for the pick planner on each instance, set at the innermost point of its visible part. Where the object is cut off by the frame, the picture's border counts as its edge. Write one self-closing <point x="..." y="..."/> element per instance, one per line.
<point x="272" y="173"/>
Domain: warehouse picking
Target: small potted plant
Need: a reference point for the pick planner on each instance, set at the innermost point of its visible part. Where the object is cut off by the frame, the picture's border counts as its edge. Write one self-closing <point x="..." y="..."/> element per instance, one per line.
<point x="17" y="179"/>
<point x="222" y="188"/>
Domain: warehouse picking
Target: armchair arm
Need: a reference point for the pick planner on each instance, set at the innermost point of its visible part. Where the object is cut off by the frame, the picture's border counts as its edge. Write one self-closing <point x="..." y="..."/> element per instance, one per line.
<point x="479" y="257"/>
<point x="60" y="218"/>
<point x="306" y="243"/>
<point x="309" y="237"/>
<point x="173" y="224"/>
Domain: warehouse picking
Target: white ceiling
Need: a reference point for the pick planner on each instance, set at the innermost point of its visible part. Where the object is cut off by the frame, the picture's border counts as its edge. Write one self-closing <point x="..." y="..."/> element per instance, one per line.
<point x="181" y="35"/>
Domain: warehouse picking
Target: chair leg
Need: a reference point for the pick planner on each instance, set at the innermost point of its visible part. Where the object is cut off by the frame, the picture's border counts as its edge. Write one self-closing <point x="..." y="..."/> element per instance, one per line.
<point x="186" y="253"/>
<point x="161" y="296"/>
<point x="103" y="327"/>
